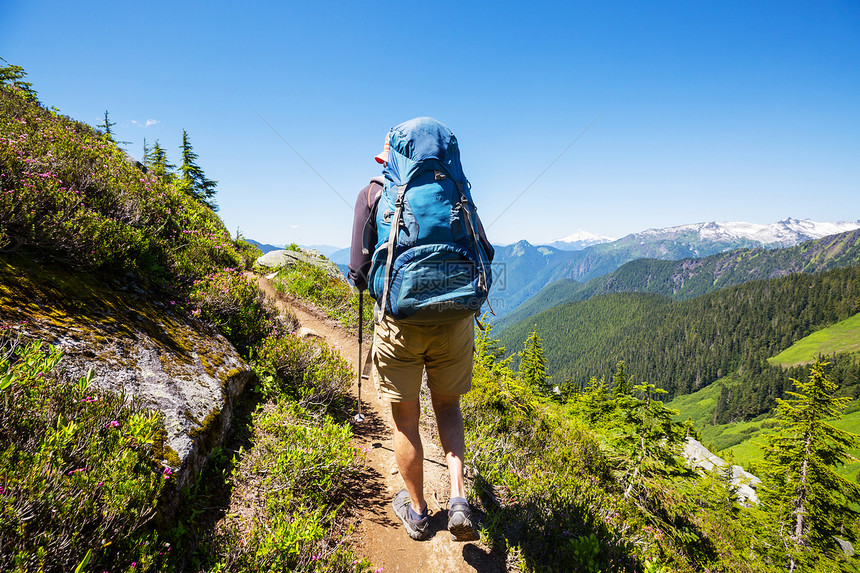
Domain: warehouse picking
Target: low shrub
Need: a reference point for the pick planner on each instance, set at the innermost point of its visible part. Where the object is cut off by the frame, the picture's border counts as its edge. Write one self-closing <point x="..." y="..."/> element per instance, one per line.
<point x="543" y="482"/>
<point x="77" y="473"/>
<point x="293" y="484"/>
<point x="236" y="306"/>
<point x="248" y="252"/>
<point x="302" y="369"/>
<point x="337" y="299"/>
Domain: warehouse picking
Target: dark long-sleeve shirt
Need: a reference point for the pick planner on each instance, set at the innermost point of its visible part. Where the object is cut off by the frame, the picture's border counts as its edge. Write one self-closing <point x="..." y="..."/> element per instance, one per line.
<point x="364" y="234"/>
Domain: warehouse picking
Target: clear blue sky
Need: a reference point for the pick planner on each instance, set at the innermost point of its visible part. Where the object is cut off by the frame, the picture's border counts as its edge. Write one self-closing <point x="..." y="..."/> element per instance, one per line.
<point x="726" y="111"/>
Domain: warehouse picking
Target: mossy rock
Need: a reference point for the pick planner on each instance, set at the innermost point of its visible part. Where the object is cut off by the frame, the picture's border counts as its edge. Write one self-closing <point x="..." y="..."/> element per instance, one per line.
<point x="137" y="342"/>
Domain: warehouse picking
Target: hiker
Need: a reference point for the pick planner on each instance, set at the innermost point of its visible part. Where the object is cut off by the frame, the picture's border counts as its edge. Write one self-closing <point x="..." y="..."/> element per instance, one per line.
<point x="419" y="247"/>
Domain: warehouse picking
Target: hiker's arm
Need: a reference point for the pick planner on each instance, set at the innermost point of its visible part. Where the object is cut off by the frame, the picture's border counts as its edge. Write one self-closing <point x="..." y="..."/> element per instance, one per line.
<point x="359" y="260"/>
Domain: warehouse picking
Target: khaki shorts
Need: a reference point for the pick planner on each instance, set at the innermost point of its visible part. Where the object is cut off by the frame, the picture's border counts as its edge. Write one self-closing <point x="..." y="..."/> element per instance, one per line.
<point x="402" y="351"/>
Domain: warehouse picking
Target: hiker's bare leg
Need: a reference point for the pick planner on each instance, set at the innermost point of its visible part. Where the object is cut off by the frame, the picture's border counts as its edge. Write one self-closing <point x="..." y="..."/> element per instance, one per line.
<point x="450" y="422"/>
<point x="408" y="450"/>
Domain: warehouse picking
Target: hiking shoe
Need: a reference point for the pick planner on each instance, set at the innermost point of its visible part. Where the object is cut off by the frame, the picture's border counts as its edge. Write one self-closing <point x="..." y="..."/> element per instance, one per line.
<point x="417" y="529"/>
<point x="460" y="522"/>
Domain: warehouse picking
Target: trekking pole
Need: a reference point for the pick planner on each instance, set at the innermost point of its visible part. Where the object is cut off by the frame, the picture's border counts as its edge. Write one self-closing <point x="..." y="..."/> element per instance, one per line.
<point x="360" y="417"/>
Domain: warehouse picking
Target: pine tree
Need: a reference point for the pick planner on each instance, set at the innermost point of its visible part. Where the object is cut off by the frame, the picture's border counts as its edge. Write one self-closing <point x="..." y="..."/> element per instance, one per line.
<point x="488" y="350"/>
<point x="690" y="430"/>
<point x="106" y="126"/>
<point x="623" y="383"/>
<point x="809" y="500"/>
<point x="14" y="75"/>
<point x="156" y="162"/>
<point x="533" y="364"/>
<point x="652" y="441"/>
<point x="191" y="175"/>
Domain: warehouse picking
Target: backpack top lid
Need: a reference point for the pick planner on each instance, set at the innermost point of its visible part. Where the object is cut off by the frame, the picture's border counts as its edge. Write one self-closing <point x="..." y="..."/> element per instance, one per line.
<point x="420" y="144"/>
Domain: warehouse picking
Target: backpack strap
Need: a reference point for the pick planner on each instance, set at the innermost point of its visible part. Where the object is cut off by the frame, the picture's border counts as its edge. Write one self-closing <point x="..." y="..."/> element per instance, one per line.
<point x="392" y="243"/>
<point x="464" y="201"/>
<point x="374" y="192"/>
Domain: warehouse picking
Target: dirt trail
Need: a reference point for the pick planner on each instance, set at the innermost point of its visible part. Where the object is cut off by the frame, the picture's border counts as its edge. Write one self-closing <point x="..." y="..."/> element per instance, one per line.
<point x="379" y="536"/>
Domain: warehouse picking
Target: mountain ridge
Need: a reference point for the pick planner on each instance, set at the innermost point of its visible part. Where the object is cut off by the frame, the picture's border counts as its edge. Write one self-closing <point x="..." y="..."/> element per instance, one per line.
<point x="525" y="269"/>
<point x="690" y="277"/>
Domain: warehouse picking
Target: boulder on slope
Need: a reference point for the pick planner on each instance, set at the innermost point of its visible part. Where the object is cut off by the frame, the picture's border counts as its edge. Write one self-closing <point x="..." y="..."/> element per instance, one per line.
<point x="136" y="345"/>
<point x="700" y="457"/>
<point x="288" y="258"/>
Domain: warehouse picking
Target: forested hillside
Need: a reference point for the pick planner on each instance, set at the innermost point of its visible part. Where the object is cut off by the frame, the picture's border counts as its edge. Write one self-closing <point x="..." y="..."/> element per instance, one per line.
<point x="689" y="278"/>
<point x="683" y="346"/>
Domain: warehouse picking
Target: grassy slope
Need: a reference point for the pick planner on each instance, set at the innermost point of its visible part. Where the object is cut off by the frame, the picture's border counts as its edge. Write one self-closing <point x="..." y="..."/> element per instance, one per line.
<point x="699" y="405"/>
<point x="71" y="198"/>
<point x="744" y="440"/>
<point x="841" y="337"/>
<point x="751" y="451"/>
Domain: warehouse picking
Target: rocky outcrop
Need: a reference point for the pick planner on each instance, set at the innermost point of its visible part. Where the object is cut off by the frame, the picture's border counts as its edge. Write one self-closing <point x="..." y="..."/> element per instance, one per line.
<point x="288" y="257"/>
<point x="135" y="345"/>
<point x="700" y="457"/>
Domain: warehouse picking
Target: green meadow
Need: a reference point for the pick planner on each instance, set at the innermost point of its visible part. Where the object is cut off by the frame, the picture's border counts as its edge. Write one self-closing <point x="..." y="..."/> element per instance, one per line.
<point x="841" y="337"/>
<point x="744" y="441"/>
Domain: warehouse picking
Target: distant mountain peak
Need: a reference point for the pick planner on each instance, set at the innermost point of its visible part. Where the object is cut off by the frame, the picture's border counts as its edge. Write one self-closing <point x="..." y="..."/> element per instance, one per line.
<point x="580" y="240"/>
<point x="584" y="236"/>
<point x="521" y="247"/>
<point x="780" y="234"/>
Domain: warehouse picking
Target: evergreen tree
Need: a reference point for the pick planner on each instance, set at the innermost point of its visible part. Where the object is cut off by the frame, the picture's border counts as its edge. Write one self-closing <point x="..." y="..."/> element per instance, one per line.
<point x="593" y="402"/>
<point x="533" y="364"/>
<point x="488" y="350"/>
<point x="809" y="500"/>
<point x="651" y="439"/>
<point x="191" y="175"/>
<point x="14" y="75"/>
<point x="690" y="429"/>
<point x="106" y="126"/>
<point x="156" y="162"/>
<point x="623" y="383"/>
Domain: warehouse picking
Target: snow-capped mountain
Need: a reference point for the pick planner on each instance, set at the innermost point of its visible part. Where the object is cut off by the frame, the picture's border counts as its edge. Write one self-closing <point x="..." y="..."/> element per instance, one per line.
<point x="580" y="240"/>
<point x="526" y="269"/>
<point x="780" y="234"/>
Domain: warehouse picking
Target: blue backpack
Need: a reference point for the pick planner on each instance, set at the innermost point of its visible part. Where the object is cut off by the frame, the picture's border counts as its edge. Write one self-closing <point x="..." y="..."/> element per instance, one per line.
<point x="431" y="263"/>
